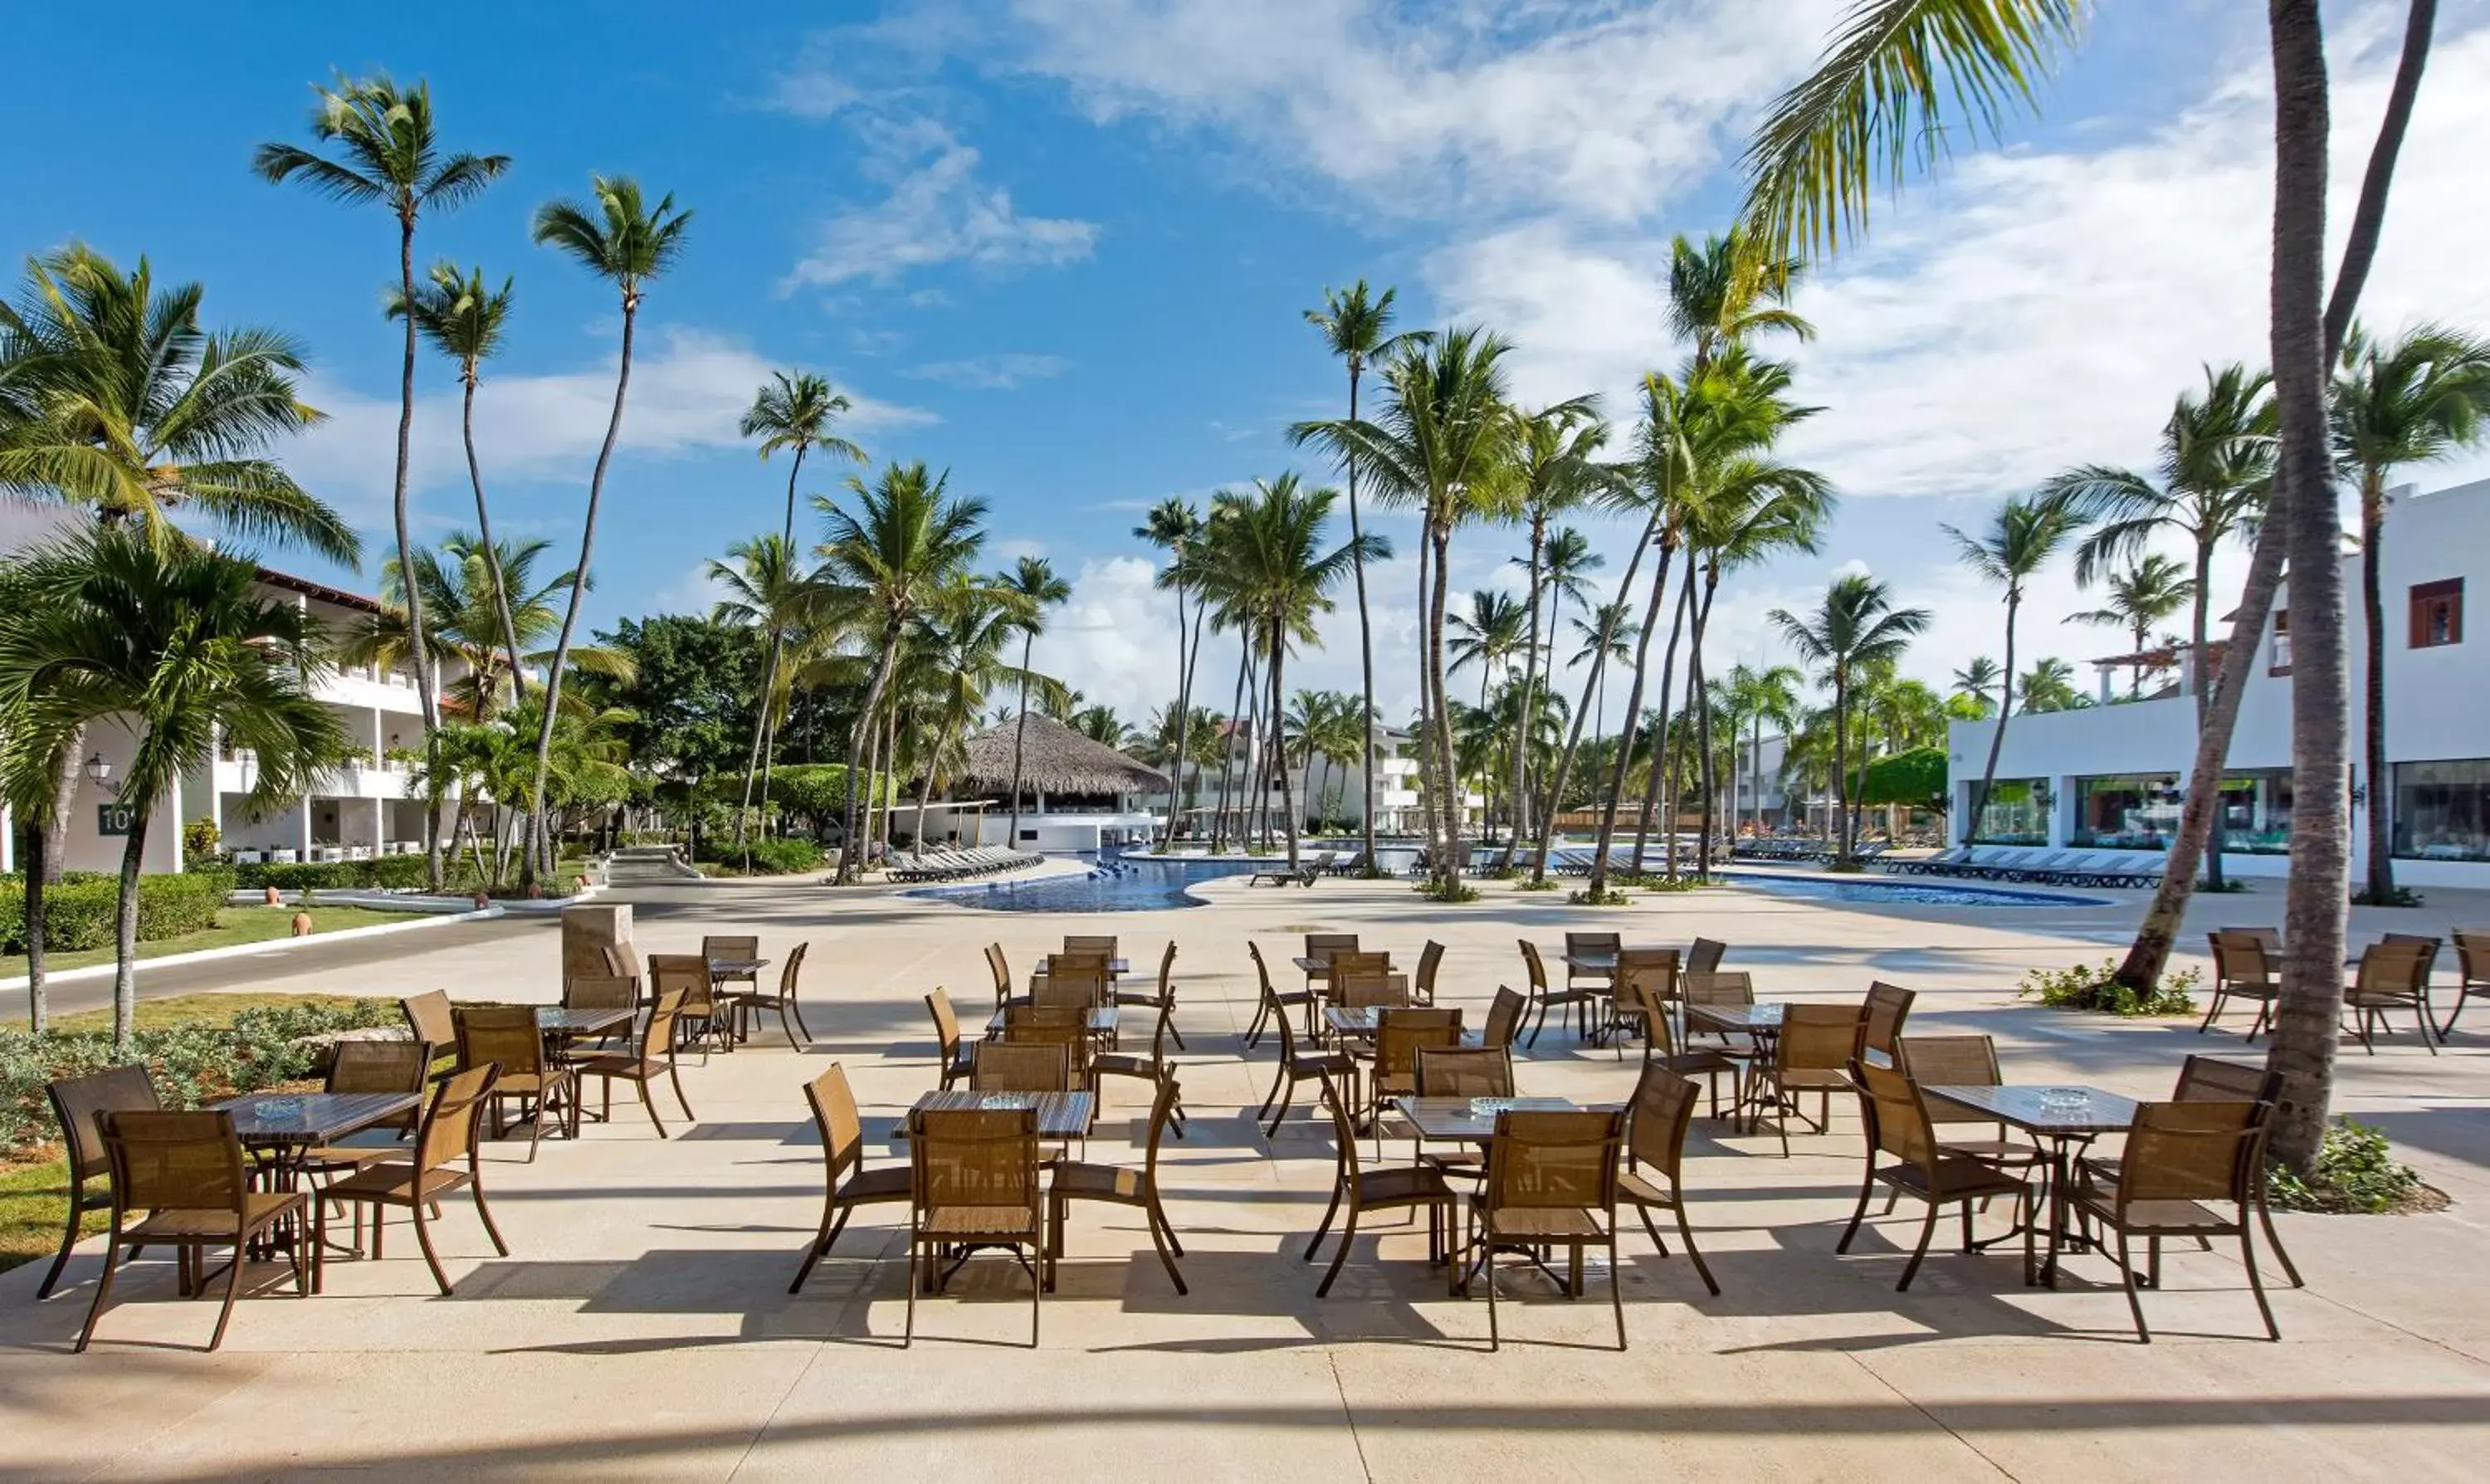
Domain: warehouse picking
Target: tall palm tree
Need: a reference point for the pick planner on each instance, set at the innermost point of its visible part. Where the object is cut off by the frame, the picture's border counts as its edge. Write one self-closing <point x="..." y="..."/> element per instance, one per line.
<point x="967" y="629"/>
<point x="1607" y="633"/>
<point x="1100" y="724"/>
<point x="1488" y="636"/>
<point x="1174" y="526"/>
<point x="1881" y="95"/>
<point x="463" y="591"/>
<point x="1031" y="581"/>
<point x="1445" y="444"/>
<point x="1356" y="326"/>
<point x="907" y="540"/>
<point x="2412" y="400"/>
<point x="2139" y="599"/>
<point x="1855" y="625"/>
<point x="1975" y="680"/>
<point x="464" y="321"/>
<point x="1764" y="694"/>
<point x="794" y="413"/>
<point x="2049" y="685"/>
<point x="1725" y="290"/>
<point x="622" y="240"/>
<point x="178" y="642"/>
<point x="1559" y="471"/>
<point x="384" y="153"/>
<point x="2021" y="538"/>
<point x="768" y="588"/>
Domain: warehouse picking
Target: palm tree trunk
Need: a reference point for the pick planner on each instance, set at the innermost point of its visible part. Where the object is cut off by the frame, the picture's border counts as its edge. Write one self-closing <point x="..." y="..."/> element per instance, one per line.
<point x="2199" y="632"/>
<point x="890" y="751"/>
<point x="1520" y="790"/>
<point x="2373" y="699"/>
<point x="1288" y="793"/>
<point x="1607" y="838"/>
<point x="2308" y="1016"/>
<point x="428" y="702"/>
<point x="1183" y="719"/>
<point x="1703" y="719"/>
<point x="39" y="862"/>
<point x="1756" y="766"/>
<point x="2005" y="711"/>
<point x="125" y="931"/>
<point x="758" y="760"/>
<point x="1228" y="753"/>
<point x="1364" y="640"/>
<point x="1660" y="729"/>
<point x="1020" y="722"/>
<point x="578" y="583"/>
<point x="1430" y="802"/>
<point x="860" y="745"/>
<point x="1593" y="685"/>
<point x="1842" y="763"/>
<point x="1449" y="866"/>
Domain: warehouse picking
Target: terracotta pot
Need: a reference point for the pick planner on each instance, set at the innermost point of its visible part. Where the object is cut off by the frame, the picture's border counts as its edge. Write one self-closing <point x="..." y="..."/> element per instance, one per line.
<point x="581" y="883"/>
<point x="483" y="901"/>
<point x="302" y="924"/>
<point x="274" y="896"/>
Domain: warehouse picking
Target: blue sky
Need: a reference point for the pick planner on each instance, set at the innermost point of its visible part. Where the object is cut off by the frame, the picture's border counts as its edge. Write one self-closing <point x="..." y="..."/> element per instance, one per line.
<point x="1062" y="247"/>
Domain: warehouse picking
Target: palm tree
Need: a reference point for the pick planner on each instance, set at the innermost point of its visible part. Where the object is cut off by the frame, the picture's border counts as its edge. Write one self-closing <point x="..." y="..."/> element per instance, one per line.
<point x="2049" y="687"/>
<point x="1881" y="95"/>
<point x="1726" y="290"/>
<point x="2138" y="600"/>
<point x="1607" y="633"/>
<point x="620" y="239"/>
<point x="907" y="541"/>
<point x="794" y="413"/>
<point x="967" y="629"/>
<point x="1444" y="444"/>
<point x="1175" y="527"/>
<point x="2412" y="400"/>
<point x="1356" y="326"/>
<point x="1488" y="636"/>
<point x="768" y="589"/>
<point x="461" y="587"/>
<point x="178" y="643"/>
<point x="1559" y="470"/>
<point x="1101" y="724"/>
<point x="464" y="320"/>
<point x="1975" y="680"/>
<point x="1033" y="581"/>
<point x="2021" y="539"/>
<point x="1769" y="693"/>
<point x="385" y="154"/>
<point x="1855" y="625"/>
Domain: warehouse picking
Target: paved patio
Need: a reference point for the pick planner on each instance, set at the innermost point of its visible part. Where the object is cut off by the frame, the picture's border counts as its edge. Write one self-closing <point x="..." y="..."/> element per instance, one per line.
<point x="642" y="1325"/>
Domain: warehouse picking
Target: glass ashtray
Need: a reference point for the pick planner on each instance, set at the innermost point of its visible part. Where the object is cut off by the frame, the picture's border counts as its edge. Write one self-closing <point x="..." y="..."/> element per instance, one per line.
<point x="277" y="1107"/>
<point x="1006" y="1101"/>
<point x="1485" y="1107"/>
<point x="2065" y="1100"/>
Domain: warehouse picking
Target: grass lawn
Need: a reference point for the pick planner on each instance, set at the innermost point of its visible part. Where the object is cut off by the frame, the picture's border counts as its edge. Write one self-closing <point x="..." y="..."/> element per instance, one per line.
<point x="34" y="1198"/>
<point x="235" y="925"/>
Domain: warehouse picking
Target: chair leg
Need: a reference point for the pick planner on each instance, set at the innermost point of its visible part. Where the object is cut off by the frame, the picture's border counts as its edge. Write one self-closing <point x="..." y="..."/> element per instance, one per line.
<point x="820" y="1248"/>
<point x="1486" y="1261"/>
<point x="1616" y="1288"/>
<point x="484" y="1214"/>
<point x="1919" y="1253"/>
<point x="2256" y="1284"/>
<point x="1286" y="1099"/>
<point x="2135" y="1304"/>
<point x="1154" y="1220"/>
<point x="675" y="1075"/>
<point x="1348" y="1234"/>
<point x="1338" y="1189"/>
<point x="650" y="1103"/>
<point x="907" y="1335"/>
<point x="423" y="1239"/>
<point x="1866" y="1188"/>
<point x="102" y="1289"/>
<point x="2210" y="1011"/>
<point x="233" y="1292"/>
<point x="1686" y="1235"/>
<point x="68" y="1241"/>
<point x="2274" y="1239"/>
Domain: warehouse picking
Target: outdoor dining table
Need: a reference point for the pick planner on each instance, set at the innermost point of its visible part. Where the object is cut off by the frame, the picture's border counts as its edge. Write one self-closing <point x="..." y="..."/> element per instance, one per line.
<point x="1605" y="960"/>
<point x="1103" y="1020"/>
<point x="1116" y="968"/>
<point x="280" y="1131"/>
<point x="1059" y="1115"/>
<point x="1361" y="1022"/>
<point x="2066" y="1118"/>
<point x="1470" y="1120"/>
<point x="567" y="1021"/>
<point x="720" y="968"/>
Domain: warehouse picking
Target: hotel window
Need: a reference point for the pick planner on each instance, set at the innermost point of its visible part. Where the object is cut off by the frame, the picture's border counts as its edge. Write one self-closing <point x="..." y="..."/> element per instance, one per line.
<point x="2126" y="812"/>
<point x="2442" y="810"/>
<point x="2281" y="664"/>
<point x="2437" y="613"/>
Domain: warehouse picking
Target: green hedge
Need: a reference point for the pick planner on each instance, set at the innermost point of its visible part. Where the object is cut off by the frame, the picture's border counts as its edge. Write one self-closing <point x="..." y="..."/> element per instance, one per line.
<point x="190" y="1064"/>
<point x="769" y="857"/>
<point x="386" y="873"/>
<point x="78" y="912"/>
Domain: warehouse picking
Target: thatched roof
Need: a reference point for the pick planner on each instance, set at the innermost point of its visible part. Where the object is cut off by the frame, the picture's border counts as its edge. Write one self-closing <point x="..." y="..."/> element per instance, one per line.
<point x="1054" y="759"/>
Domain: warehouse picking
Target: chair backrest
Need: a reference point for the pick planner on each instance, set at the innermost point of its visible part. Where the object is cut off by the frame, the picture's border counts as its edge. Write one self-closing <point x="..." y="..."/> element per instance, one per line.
<point x="1103" y="945"/>
<point x="1344" y="1131"/>
<point x="1162" y="1113"/>
<point x="2388" y="967"/>
<point x="1727" y="987"/>
<point x="1646" y="970"/>
<point x="1950" y="1061"/>
<point x="1545" y="1160"/>
<point x="1021" y="1065"/>
<point x="720" y="949"/>
<point x="946" y="1023"/>
<point x="429" y="1017"/>
<point x="1662" y="1107"/>
<point x="2428" y="947"/>
<point x="1504" y="1017"/>
<point x="834" y="1116"/>
<point x="1072" y="978"/>
<point x="2473" y="955"/>
<point x="1359" y="991"/>
<point x="685" y="975"/>
<point x="622" y="961"/>
<point x="1819" y="1037"/>
<point x="1431" y="960"/>
<point x="77" y="1100"/>
<point x="1000" y="968"/>
<point x="657" y="1037"/>
<point x="1704" y="957"/>
<point x="1400" y="1030"/>
<point x="1533" y="965"/>
<point x="1594" y="943"/>
<point x="984" y="1157"/>
<point x="600" y="992"/>
<point x="2195" y="1151"/>
<point x="1261" y="969"/>
<point x="1464" y="1072"/>
<point x="506" y="1033"/>
<point x="792" y="968"/>
<point x="1897" y="1120"/>
<point x="1166" y="971"/>
<point x="2241" y="956"/>
<point x="1888" y="1005"/>
<point x="447" y="1131"/>
<point x="2211" y="1079"/>
<point x="380" y="1067"/>
<point x="162" y="1160"/>
<point x="1323" y="945"/>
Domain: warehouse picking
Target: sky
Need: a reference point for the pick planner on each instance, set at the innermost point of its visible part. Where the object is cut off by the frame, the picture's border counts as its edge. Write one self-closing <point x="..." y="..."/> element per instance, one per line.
<point x="1063" y="247"/>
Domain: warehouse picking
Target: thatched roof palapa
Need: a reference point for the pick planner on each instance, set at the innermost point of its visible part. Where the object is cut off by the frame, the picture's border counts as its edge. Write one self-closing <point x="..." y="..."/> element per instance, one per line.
<point x="1054" y="759"/>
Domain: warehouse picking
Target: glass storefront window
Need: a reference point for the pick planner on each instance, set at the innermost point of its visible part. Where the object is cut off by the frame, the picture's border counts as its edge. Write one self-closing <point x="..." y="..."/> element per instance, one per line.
<point x="2013" y="816"/>
<point x="2256" y="812"/>
<point x="2442" y="810"/>
<point x="2128" y="812"/>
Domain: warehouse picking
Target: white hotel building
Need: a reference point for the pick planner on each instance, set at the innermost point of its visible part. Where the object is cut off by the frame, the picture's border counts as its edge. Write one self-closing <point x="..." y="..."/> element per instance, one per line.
<point x="2113" y="776"/>
<point x="363" y="809"/>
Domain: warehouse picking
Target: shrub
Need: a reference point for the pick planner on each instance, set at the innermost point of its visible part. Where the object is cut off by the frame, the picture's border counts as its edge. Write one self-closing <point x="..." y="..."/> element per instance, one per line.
<point x="1436" y="891"/>
<point x="2082" y="988"/>
<point x="199" y="839"/>
<point x="1655" y="881"/>
<point x="2356" y="1174"/>
<point x="79" y="912"/>
<point x="385" y="873"/>
<point x="189" y="1064"/>
<point x="2401" y="897"/>
<point x="769" y="857"/>
<point x="1608" y="897"/>
<point x="1543" y="883"/>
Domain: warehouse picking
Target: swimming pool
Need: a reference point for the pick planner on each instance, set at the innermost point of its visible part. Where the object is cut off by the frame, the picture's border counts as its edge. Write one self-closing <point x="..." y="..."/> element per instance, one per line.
<point x="1113" y="885"/>
<point x="1873" y="890"/>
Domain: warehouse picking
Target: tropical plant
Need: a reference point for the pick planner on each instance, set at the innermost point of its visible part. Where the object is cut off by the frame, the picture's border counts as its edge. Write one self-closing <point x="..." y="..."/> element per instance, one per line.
<point x="1488" y="636"/>
<point x="1559" y="470"/>
<point x="967" y="631"/>
<point x="1856" y="624"/>
<point x="619" y="237"/>
<point x="2412" y="400"/>
<point x="2138" y="599"/>
<point x="1607" y="633"/>
<point x="1175" y="527"/>
<point x="1762" y="694"/>
<point x="2021" y="538"/>
<point x="1033" y="583"/>
<point x="179" y="644"/>
<point x="1100" y="724"/>
<point x="461" y="587"/>
<point x="1356" y="326"/>
<point x="385" y="153"/>
<point x="908" y="540"/>
<point x="769" y="589"/>
<point x="2049" y="685"/>
<point x="1976" y="681"/>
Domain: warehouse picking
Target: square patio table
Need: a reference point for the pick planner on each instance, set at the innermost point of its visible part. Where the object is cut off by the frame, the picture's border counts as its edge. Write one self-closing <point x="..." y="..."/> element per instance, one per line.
<point x="736" y="968"/>
<point x="1470" y="1120"/>
<point x="1116" y="969"/>
<point x="1760" y="1019"/>
<point x="1059" y="1115"/>
<point x="564" y="1021"/>
<point x="1365" y="1019"/>
<point x="280" y="1121"/>
<point x="1103" y="1020"/>
<point x="2051" y="1113"/>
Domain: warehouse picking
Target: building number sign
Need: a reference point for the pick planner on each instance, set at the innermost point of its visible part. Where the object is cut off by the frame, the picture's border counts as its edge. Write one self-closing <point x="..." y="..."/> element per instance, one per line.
<point x="114" y="819"/>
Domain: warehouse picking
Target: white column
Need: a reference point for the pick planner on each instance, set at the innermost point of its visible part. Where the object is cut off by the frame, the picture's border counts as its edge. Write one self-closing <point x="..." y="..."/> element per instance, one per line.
<point x="216" y="793"/>
<point x="305" y="856"/>
<point x="173" y="819"/>
<point x="8" y="840"/>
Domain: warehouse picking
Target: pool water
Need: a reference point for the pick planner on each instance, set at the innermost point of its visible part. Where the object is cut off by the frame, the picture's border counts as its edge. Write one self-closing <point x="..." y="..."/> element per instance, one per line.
<point x="1112" y="883"/>
<point x="1872" y="890"/>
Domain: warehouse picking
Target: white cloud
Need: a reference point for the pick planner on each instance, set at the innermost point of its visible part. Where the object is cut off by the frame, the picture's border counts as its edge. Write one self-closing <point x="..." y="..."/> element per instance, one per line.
<point x="688" y="388"/>
<point x="938" y="210"/>
<point x="991" y="373"/>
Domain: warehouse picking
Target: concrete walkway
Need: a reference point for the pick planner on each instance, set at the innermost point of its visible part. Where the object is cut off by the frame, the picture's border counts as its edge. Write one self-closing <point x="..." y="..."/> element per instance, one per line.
<point x="642" y="1327"/>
